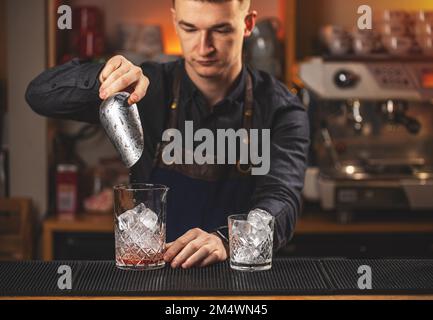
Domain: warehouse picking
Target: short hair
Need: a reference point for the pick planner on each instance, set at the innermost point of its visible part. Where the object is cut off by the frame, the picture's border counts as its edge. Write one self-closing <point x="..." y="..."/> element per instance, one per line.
<point x="216" y="1"/>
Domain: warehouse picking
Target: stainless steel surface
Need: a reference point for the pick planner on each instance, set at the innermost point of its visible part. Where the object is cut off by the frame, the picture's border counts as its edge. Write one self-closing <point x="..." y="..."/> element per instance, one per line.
<point x="413" y="193"/>
<point x="372" y="125"/>
<point x="331" y="148"/>
<point x="379" y="140"/>
<point x="367" y="80"/>
<point x="356" y="171"/>
<point x="123" y="126"/>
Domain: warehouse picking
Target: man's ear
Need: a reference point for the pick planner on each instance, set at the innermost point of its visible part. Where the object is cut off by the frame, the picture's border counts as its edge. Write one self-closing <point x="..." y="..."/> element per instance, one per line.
<point x="250" y="23"/>
<point x="173" y="16"/>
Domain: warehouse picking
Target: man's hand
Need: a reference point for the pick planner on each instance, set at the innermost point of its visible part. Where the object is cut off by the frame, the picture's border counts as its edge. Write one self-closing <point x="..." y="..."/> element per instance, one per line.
<point x="195" y="248"/>
<point x="121" y="75"/>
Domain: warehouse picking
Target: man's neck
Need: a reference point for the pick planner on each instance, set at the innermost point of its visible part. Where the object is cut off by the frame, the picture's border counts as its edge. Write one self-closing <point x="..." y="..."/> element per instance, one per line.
<point x="215" y="89"/>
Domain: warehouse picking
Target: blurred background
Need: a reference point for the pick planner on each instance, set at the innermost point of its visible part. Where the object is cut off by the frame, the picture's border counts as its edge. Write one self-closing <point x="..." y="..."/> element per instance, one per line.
<point x="369" y="94"/>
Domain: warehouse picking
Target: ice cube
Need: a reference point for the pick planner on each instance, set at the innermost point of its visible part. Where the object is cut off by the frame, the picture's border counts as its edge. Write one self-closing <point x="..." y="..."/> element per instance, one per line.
<point x="258" y="236"/>
<point x="246" y="254"/>
<point x="242" y="254"/>
<point x="140" y="208"/>
<point x="147" y="240"/>
<point x="138" y="234"/>
<point x="127" y="220"/>
<point x="149" y="219"/>
<point x="259" y="219"/>
<point x="152" y="242"/>
<point x="241" y="228"/>
<point x="255" y="253"/>
<point x="140" y="227"/>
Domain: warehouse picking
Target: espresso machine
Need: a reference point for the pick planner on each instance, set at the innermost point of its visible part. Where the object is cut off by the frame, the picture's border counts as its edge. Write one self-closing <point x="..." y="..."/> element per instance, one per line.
<point x="372" y="131"/>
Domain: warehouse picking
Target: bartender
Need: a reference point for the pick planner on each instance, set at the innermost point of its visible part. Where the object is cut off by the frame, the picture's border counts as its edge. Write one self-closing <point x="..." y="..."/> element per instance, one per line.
<point x="212" y="88"/>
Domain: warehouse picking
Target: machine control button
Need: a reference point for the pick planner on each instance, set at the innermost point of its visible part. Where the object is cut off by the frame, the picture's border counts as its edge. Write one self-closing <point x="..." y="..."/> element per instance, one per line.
<point x="345" y="79"/>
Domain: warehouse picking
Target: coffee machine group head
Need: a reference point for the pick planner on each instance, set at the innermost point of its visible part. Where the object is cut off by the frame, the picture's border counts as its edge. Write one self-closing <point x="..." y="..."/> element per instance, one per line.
<point x="372" y="129"/>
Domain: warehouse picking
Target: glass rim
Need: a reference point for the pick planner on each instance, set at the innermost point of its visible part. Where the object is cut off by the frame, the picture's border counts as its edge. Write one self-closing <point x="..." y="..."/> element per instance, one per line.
<point x="240" y="215"/>
<point x="141" y="187"/>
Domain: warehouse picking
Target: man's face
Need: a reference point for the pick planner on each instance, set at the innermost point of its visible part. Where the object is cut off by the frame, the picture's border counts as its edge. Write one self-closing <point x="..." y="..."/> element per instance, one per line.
<point x="211" y="34"/>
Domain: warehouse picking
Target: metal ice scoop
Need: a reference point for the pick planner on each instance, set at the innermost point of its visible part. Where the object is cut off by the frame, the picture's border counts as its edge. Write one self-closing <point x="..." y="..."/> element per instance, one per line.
<point x="123" y="126"/>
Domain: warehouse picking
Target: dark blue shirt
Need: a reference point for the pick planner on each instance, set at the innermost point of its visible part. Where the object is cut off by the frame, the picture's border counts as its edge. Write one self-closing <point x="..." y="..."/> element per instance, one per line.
<point x="71" y="91"/>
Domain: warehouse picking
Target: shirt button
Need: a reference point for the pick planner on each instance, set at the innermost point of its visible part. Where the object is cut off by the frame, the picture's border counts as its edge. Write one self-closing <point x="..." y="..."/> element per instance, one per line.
<point x="86" y="83"/>
<point x="54" y="85"/>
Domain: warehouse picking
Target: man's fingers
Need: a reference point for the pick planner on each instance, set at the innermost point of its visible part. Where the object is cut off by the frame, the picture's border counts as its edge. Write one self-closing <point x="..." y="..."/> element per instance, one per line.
<point x="210" y="259"/>
<point x="116" y="74"/>
<point x="203" y="253"/>
<point x="121" y="84"/>
<point x="189" y="250"/>
<point x="121" y="75"/>
<point x="133" y="98"/>
<point x="139" y="90"/>
<point x="112" y="65"/>
<point x="195" y="248"/>
<point x="167" y="246"/>
<point x="178" y="245"/>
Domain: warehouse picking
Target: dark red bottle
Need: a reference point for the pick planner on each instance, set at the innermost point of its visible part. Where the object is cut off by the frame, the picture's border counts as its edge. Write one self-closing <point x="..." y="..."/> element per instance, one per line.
<point x="67" y="190"/>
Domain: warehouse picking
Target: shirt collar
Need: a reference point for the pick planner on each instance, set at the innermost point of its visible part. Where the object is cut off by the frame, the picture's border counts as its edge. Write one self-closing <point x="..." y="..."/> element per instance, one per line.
<point x="190" y="91"/>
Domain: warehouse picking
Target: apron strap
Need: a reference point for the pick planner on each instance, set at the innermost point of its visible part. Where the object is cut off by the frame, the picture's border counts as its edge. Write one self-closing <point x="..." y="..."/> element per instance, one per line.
<point x="172" y="113"/>
<point x="248" y="103"/>
<point x="176" y="95"/>
<point x="245" y="169"/>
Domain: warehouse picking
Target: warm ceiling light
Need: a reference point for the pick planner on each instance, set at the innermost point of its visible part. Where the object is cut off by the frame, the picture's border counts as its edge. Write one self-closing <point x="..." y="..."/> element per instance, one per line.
<point x="350" y="169"/>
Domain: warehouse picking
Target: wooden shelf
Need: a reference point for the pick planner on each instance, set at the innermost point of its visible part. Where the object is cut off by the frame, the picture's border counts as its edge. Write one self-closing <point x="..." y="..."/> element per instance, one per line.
<point x="81" y="223"/>
<point x="323" y="224"/>
<point x="307" y="225"/>
<point x="16" y="229"/>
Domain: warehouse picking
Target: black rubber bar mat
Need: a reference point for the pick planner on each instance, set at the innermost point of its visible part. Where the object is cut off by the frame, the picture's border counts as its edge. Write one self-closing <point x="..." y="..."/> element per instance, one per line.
<point x="287" y="277"/>
<point x="34" y="278"/>
<point x="389" y="276"/>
